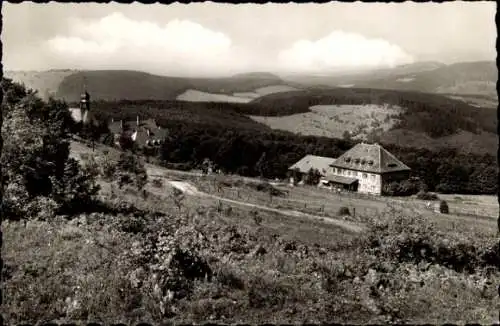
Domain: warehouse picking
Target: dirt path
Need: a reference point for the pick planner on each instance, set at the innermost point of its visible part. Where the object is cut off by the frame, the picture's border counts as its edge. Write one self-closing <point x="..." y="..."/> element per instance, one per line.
<point x="189" y="189"/>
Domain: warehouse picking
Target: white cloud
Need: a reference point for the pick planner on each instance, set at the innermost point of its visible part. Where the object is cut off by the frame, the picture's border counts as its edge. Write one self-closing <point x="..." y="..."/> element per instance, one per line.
<point x="341" y="50"/>
<point x="117" y="41"/>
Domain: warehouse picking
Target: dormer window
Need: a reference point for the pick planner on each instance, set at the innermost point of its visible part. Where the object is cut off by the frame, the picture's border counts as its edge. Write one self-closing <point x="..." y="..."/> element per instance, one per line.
<point x="357" y="161"/>
<point x="363" y="161"/>
<point x="392" y="165"/>
<point x="370" y="162"/>
<point x="348" y="159"/>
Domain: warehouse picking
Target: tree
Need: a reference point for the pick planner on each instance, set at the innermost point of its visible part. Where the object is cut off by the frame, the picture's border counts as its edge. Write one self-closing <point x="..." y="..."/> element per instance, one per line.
<point x="260" y="165"/>
<point x="131" y="170"/>
<point x="313" y="177"/>
<point x="36" y="167"/>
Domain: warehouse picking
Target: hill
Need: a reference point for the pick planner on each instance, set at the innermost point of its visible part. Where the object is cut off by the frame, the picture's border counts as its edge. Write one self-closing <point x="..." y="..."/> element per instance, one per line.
<point x="134" y="85"/>
<point x="45" y="82"/>
<point x="466" y="78"/>
<point x="423" y="116"/>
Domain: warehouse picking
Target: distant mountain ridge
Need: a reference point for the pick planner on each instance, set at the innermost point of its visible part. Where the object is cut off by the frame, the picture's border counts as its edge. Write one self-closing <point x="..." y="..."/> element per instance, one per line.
<point x="475" y="81"/>
<point x="464" y="78"/>
<point x="134" y="85"/>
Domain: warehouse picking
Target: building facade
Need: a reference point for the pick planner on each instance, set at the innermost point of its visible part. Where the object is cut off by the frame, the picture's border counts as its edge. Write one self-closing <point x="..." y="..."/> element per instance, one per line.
<point x="367" y="168"/>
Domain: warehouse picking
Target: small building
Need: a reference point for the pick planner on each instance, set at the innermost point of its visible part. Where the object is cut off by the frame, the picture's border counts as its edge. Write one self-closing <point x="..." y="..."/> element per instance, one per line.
<point x="145" y="133"/>
<point x="308" y="162"/>
<point x="367" y="168"/>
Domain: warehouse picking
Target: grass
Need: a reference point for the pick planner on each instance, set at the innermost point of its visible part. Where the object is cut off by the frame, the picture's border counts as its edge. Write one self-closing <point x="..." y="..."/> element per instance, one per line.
<point x="192" y="95"/>
<point x="138" y="267"/>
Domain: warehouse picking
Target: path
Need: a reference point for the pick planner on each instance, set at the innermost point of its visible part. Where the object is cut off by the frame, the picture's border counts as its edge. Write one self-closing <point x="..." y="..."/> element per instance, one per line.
<point x="189" y="189"/>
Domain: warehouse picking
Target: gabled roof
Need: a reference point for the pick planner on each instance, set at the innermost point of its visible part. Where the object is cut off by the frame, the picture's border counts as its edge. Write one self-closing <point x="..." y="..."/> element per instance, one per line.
<point x="315" y="162"/>
<point x="370" y="158"/>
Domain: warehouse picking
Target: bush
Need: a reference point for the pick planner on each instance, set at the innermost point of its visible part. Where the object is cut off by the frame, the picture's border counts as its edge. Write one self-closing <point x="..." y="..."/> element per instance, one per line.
<point x="157" y="183"/>
<point x="343" y="211"/>
<point x="131" y="170"/>
<point x="423" y="195"/>
<point x="443" y="207"/>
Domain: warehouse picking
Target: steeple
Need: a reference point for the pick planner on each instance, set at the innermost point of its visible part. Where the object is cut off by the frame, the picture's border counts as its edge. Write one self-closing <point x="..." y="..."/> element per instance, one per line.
<point x="85" y="103"/>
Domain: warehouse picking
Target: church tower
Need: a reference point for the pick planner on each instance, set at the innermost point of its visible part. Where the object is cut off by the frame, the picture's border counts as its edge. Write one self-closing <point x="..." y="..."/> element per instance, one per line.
<point x="85" y="106"/>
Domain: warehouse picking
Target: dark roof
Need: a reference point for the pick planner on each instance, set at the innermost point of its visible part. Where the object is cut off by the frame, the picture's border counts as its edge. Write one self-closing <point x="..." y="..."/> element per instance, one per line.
<point x="141" y="136"/>
<point x="341" y="179"/>
<point x="370" y="158"/>
<point x="322" y="164"/>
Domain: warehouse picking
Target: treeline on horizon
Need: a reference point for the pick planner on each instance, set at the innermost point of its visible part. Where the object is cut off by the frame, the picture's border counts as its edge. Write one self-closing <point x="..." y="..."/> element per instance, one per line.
<point x="235" y="143"/>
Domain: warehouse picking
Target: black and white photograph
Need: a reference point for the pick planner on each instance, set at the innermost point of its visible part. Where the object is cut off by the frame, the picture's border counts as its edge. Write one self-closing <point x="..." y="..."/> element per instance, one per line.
<point x="277" y="163"/>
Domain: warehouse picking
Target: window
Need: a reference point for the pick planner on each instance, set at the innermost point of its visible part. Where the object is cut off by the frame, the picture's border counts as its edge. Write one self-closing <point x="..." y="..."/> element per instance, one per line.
<point x="373" y="176"/>
<point x="365" y="175"/>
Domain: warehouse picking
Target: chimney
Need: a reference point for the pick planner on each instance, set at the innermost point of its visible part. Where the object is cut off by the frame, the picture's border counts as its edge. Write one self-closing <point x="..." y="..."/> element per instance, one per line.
<point x="147" y="130"/>
<point x="112" y="120"/>
<point x="121" y="124"/>
<point x="137" y="121"/>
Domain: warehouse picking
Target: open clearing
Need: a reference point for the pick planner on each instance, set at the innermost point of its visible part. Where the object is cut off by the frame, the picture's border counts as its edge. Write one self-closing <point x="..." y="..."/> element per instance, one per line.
<point x="192" y="95"/>
<point x="335" y="120"/>
<point x="266" y="91"/>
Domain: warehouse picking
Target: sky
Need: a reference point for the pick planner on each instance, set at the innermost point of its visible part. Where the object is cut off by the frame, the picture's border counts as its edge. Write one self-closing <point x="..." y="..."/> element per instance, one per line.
<point x="212" y="39"/>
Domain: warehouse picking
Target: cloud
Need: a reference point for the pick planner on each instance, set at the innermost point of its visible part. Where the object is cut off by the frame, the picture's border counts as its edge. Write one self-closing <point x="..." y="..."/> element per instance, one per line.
<point x="117" y="41"/>
<point x="341" y="50"/>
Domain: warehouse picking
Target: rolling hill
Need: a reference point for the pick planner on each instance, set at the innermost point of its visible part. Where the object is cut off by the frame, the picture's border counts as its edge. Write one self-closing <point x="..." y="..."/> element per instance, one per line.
<point x="113" y="85"/>
<point x="475" y="81"/>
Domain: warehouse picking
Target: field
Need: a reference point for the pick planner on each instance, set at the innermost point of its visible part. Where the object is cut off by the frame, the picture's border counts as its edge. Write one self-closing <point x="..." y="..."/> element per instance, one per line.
<point x="334" y="120"/>
<point x="217" y="253"/>
<point x="192" y="95"/>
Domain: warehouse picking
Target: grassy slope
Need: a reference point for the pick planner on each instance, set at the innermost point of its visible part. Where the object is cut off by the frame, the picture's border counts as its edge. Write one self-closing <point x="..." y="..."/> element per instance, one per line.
<point x="90" y="269"/>
<point x="45" y="82"/>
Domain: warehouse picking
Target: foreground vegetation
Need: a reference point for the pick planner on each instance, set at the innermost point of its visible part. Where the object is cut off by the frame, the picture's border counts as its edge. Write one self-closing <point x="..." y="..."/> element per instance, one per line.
<point x="203" y="263"/>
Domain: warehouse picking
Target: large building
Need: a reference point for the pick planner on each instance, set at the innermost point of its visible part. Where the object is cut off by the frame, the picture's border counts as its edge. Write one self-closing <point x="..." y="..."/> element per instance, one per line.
<point x="364" y="168"/>
<point x="367" y="168"/>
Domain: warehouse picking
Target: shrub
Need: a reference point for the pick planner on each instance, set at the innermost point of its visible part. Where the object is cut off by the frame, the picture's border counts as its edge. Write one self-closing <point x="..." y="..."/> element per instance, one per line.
<point x="443" y="207"/>
<point x="423" y="195"/>
<point x="157" y="183"/>
<point x="131" y="170"/>
<point x="343" y="211"/>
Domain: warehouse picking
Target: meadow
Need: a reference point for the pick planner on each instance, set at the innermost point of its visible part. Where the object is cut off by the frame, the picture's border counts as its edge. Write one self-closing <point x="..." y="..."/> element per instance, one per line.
<point x="335" y="120"/>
